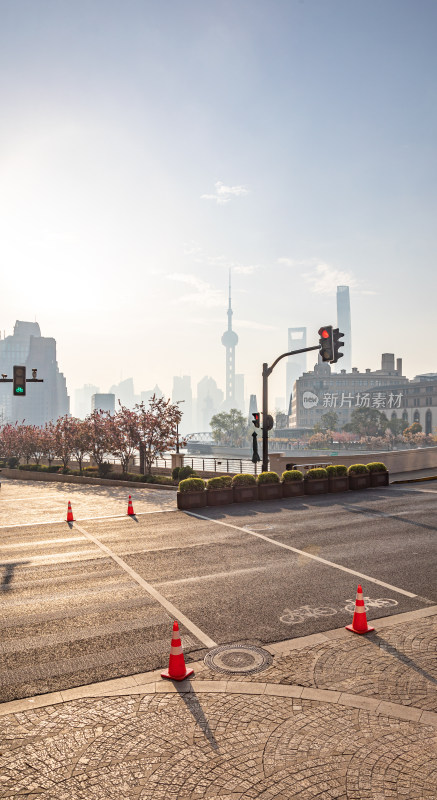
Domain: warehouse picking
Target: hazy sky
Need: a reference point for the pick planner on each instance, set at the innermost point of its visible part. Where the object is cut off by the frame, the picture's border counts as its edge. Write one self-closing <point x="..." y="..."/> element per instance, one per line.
<point x="146" y="147"/>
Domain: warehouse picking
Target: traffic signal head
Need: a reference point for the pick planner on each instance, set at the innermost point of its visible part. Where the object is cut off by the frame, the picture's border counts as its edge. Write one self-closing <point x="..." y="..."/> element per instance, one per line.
<point x="256" y="418"/>
<point x="326" y="343"/>
<point x="337" y="343"/>
<point x="19" y="387"/>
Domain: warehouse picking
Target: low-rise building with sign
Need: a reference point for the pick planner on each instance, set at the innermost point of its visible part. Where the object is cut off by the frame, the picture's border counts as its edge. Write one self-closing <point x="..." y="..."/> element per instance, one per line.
<point x="322" y="390"/>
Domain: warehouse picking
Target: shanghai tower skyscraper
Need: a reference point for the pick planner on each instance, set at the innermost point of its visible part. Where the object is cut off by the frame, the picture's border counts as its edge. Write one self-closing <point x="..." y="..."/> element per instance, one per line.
<point x="344" y="323"/>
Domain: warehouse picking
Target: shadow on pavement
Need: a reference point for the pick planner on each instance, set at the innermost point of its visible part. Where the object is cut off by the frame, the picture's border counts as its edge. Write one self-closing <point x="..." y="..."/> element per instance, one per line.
<point x="8" y="576"/>
<point x="193" y="705"/>
<point x="383" y="644"/>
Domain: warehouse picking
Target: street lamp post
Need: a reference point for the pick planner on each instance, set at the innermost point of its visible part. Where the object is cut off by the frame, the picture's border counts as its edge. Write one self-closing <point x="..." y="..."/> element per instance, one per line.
<point x="177" y="428"/>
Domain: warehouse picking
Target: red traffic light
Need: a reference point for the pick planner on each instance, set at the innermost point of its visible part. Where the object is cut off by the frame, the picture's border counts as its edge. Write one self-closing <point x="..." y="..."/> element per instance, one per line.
<point x="324" y="333"/>
<point x="256" y="418"/>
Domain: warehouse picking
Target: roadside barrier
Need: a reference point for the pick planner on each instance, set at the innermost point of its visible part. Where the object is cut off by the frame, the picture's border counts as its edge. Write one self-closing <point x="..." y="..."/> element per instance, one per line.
<point x="130" y="508"/>
<point x="177" y="670"/>
<point x="70" y="517"/>
<point x="359" y="621"/>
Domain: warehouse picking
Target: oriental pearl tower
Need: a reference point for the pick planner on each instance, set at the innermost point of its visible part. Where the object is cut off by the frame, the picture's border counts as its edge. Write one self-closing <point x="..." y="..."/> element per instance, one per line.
<point x="230" y="340"/>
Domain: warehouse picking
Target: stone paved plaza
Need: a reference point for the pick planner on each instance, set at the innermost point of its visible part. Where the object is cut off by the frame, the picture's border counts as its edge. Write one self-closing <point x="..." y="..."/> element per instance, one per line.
<point x="334" y="716"/>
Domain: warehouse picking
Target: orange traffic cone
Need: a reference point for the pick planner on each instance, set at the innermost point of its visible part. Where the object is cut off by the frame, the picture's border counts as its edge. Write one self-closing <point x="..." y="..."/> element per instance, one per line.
<point x="359" y="621"/>
<point x="177" y="670"/>
<point x="70" y="517"/>
<point x="130" y="508"/>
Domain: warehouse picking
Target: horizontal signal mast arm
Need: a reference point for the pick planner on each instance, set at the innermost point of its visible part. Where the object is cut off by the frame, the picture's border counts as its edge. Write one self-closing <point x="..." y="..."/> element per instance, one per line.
<point x="291" y="353"/>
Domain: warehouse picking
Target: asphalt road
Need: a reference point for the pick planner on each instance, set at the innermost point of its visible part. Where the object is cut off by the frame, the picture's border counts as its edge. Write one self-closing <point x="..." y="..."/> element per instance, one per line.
<point x="95" y="599"/>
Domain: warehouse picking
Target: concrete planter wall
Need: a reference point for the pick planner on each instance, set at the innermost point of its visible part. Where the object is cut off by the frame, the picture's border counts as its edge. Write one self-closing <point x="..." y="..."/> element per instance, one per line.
<point x="316" y="486"/>
<point x="359" y="481"/>
<point x="188" y="500"/>
<point x="269" y="491"/>
<point x="220" y="497"/>
<point x="339" y="483"/>
<point x="293" y="488"/>
<point x="245" y="494"/>
<point x="379" y="479"/>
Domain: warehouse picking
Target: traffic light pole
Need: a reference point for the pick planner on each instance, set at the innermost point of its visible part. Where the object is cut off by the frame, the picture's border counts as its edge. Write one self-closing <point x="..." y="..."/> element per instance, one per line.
<point x="267" y="371"/>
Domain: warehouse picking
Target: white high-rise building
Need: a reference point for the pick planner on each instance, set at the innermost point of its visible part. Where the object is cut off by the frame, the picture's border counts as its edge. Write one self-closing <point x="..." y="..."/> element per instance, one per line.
<point x="43" y="402"/>
<point x="296" y="365"/>
<point x="344" y="324"/>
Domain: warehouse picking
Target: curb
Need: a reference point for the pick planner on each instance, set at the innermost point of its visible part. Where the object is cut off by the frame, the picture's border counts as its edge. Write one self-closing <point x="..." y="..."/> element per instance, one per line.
<point x="151" y="682"/>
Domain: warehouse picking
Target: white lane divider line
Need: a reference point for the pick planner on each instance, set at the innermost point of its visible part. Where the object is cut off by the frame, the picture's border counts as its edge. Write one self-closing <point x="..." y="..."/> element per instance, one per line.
<point x="303" y="553"/>
<point x="175" y="613"/>
<point x="408" y="489"/>
<point x="85" y="519"/>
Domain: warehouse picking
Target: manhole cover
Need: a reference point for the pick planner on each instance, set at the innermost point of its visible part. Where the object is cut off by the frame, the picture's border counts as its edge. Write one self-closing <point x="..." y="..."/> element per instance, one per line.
<point x="238" y="658"/>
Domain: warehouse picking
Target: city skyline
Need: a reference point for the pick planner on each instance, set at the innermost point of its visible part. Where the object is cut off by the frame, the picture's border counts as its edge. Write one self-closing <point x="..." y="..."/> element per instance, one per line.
<point x="147" y="150"/>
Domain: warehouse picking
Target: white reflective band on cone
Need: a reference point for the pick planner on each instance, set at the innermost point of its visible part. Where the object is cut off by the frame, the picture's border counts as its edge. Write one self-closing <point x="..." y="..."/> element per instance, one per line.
<point x="360" y="610"/>
<point x="176" y="651"/>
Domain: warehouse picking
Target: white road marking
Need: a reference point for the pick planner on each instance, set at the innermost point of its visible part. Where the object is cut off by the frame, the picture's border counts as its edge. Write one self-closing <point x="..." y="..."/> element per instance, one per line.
<point x="86" y="519"/>
<point x="41" y="542"/>
<point x="303" y="553"/>
<point x="65" y="558"/>
<point x="213" y="575"/>
<point x="176" y="614"/>
<point x="425" y="491"/>
<point x="29" y="497"/>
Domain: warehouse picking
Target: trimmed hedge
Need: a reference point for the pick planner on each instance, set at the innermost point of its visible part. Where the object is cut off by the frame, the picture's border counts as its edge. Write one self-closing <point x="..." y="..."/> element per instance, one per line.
<point x="316" y="473"/>
<point x="243" y="479"/>
<point x="192" y="485"/>
<point x="357" y="469"/>
<point x="268" y="477"/>
<point x="223" y="482"/>
<point x="292" y="475"/>
<point x="376" y="466"/>
<point x="336" y="470"/>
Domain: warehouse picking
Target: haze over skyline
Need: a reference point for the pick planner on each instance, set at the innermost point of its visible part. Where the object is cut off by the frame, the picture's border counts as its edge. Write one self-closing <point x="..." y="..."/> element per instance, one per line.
<point x="147" y="148"/>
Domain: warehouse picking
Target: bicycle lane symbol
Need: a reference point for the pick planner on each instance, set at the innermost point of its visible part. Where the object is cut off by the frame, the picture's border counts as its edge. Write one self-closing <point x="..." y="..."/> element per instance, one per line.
<point x="303" y="613"/>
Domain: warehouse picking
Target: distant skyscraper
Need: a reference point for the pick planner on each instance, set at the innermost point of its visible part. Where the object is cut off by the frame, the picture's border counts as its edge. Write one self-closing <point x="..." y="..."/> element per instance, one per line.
<point x="209" y="400"/>
<point x="124" y="391"/>
<point x="82" y="400"/>
<point x="103" y="402"/>
<point x="43" y="401"/>
<point x="253" y="407"/>
<point x="182" y="391"/>
<point x="239" y="392"/>
<point x="230" y="341"/>
<point x="296" y="365"/>
<point x="344" y="323"/>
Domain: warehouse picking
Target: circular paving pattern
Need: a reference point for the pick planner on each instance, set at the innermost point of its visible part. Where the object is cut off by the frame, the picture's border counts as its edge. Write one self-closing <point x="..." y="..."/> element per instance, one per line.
<point x="172" y="746"/>
<point x="238" y="659"/>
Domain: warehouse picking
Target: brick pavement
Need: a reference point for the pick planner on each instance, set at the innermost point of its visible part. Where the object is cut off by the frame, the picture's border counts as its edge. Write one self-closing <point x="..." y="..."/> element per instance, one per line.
<point x="334" y="716"/>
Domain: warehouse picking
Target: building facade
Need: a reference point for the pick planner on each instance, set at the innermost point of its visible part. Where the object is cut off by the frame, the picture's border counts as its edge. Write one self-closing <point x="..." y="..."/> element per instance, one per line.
<point x="182" y="392"/>
<point x="103" y="402"/>
<point x="321" y="390"/>
<point x="43" y="402"/>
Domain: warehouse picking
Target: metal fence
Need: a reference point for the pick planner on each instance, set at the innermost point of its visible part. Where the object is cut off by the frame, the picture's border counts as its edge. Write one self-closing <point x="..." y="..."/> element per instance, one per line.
<point x="209" y="464"/>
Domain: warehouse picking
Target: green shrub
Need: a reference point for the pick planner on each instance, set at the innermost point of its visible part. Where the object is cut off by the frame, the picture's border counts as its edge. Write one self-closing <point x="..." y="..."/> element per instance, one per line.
<point x="292" y="475"/>
<point x="13" y="462"/>
<point x="223" y="482"/>
<point x="357" y="469"/>
<point x="104" y="469"/>
<point x="243" y="479"/>
<point x="175" y="473"/>
<point x="64" y="471"/>
<point x="268" y="477"/>
<point x="341" y="470"/>
<point x="316" y="474"/>
<point x="186" y="472"/>
<point x="191" y="485"/>
<point x="331" y="470"/>
<point x="52" y="469"/>
<point x="376" y="466"/>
